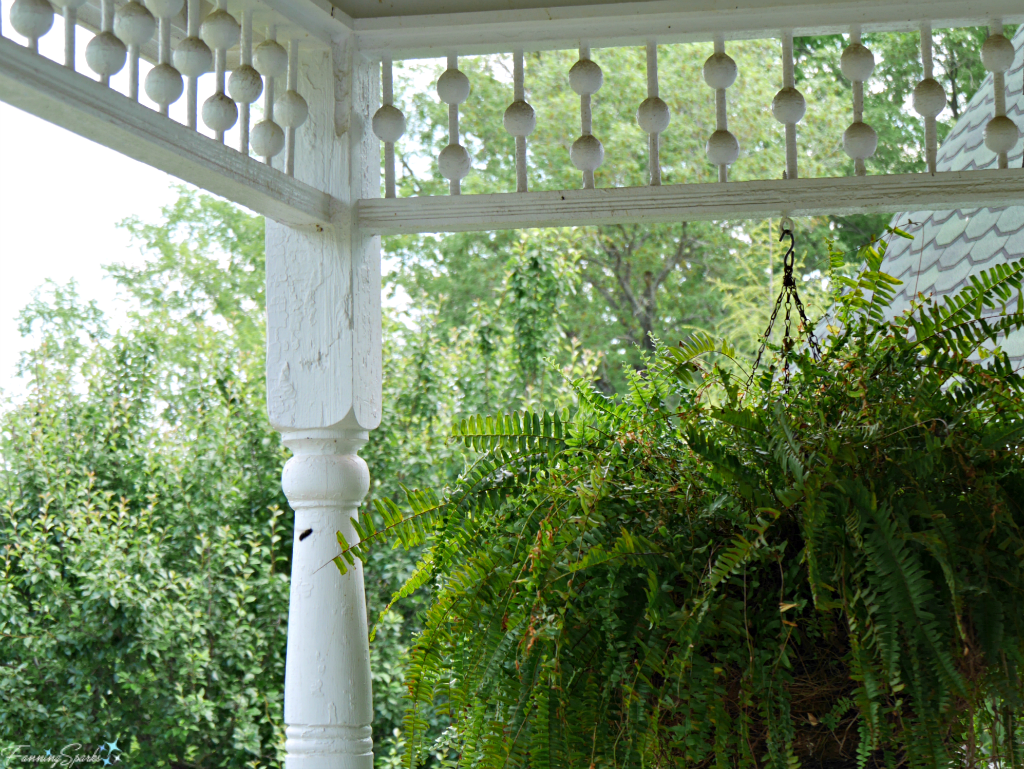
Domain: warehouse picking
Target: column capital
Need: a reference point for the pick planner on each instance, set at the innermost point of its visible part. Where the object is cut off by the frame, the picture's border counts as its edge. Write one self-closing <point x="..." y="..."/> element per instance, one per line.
<point x="325" y="469"/>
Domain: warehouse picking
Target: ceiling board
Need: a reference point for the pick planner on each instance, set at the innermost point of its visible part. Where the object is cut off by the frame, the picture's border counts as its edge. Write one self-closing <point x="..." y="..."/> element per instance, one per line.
<point x="368" y="9"/>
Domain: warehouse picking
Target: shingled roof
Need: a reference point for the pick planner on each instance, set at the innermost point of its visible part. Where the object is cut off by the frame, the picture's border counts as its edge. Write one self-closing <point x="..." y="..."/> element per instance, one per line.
<point x="949" y="246"/>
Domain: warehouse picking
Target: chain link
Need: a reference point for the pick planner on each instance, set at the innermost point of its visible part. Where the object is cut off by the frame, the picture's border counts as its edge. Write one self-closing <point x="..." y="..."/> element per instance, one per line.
<point x="789" y="297"/>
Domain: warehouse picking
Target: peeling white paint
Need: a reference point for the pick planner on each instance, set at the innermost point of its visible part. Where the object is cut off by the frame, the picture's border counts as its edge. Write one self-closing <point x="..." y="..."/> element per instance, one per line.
<point x="324" y="393"/>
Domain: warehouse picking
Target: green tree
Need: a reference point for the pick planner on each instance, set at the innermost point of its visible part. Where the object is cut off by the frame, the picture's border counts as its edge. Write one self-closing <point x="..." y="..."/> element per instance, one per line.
<point x="144" y="570"/>
<point x="146" y="542"/>
<point x="144" y="575"/>
<point x="898" y="69"/>
<point x="634" y="281"/>
<point x="142" y="591"/>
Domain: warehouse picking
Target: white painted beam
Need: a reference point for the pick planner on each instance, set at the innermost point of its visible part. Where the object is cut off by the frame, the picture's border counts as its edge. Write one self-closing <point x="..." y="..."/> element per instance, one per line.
<point x="317" y="17"/>
<point x="671" y="21"/>
<point x="81" y="105"/>
<point x="692" y="202"/>
<point x="315" y="23"/>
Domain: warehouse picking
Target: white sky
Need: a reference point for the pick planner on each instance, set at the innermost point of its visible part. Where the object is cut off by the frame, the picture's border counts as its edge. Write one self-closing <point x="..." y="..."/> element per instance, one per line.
<point x="61" y="197"/>
<point x="60" y="200"/>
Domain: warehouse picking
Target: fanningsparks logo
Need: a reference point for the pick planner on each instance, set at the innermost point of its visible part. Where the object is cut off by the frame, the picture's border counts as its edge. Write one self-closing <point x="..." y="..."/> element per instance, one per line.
<point x="72" y="754"/>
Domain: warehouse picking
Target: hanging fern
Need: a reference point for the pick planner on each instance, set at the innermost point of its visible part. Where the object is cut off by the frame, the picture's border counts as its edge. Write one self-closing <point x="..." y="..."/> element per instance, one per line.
<point x="825" y="574"/>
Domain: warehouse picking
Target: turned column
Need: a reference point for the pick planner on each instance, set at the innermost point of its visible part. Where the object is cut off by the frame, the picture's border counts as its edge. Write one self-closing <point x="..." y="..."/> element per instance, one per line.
<point x="323" y="392"/>
<point x="328" y="701"/>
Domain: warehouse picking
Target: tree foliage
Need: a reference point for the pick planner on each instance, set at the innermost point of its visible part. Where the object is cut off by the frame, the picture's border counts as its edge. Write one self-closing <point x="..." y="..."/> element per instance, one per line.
<point x="824" y="572"/>
<point x="633" y="282"/>
<point x="640" y="282"/>
<point x="143" y="588"/>
<point x="144" y="541"/>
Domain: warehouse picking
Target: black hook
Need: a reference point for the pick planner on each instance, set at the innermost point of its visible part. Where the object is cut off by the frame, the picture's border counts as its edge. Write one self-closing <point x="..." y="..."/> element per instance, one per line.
<point x="789" y="259"/>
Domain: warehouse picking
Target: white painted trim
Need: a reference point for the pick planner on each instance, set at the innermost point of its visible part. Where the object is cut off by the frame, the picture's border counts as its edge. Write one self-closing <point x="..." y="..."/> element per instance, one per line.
<point x="318" y="17"/>
<point x="691" y="202"/>
<point x="671" y="21"/>
<point x="605" y="25"/>
<point x="81" y="105"/>
<point x="314" y="22"/>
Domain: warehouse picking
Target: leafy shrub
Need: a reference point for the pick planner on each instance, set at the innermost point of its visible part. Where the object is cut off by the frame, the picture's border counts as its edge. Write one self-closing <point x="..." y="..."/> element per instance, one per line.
<point x="143" y="587"/>
<point x="144" y="538"/>
<point x="826" y="571"/>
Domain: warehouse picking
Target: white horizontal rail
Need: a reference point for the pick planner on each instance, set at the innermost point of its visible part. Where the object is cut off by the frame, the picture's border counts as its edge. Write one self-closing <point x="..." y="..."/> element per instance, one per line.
<point x="671" y="21"/>
<point x="83" y="106"/>
<point x="315" y="22"/>
<point x="691" y="202"/>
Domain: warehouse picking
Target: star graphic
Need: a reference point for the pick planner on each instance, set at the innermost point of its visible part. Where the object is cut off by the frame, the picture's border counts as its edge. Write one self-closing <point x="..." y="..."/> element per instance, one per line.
<point x="106" y="762"/>
<point x="48" y="753"/>
<point x="111" y="747"/>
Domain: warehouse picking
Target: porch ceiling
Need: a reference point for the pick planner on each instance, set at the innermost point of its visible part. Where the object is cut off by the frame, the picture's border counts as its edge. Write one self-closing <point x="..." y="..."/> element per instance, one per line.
<point x="368" y="9"/>
<point x="415" y="28"/>
<point x="372" y="9"/>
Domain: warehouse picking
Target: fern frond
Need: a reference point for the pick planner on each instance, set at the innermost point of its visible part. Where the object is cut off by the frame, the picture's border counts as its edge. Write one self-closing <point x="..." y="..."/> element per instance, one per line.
<point x="514" y="432"/>
<point x="698" y="345"/>
<point x="411" y="528"/>
<point x="993" y="288"/>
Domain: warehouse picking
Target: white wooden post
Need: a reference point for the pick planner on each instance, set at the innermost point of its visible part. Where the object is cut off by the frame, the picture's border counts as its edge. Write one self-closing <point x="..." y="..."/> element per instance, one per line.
<point x="323" y="388"/>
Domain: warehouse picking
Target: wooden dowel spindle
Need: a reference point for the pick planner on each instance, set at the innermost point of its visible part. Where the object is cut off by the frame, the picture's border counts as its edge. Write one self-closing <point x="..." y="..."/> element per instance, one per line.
<point x="587" y="152"/>
<point x="929" y="98"/>
<point x="997" y="54"/>
<point x="720" y="73"/>
<point x="388" y="123"/>
<point x="453" y="89"/>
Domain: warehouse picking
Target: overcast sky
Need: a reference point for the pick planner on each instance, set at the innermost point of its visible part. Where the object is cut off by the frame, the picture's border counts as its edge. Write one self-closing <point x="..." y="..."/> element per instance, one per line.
<point x="62" y="197"/>
<point x="60" y="200"/>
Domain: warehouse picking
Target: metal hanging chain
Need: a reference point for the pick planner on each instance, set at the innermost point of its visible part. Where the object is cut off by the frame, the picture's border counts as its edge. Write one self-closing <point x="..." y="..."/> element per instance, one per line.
<point x="787" y="297"/>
